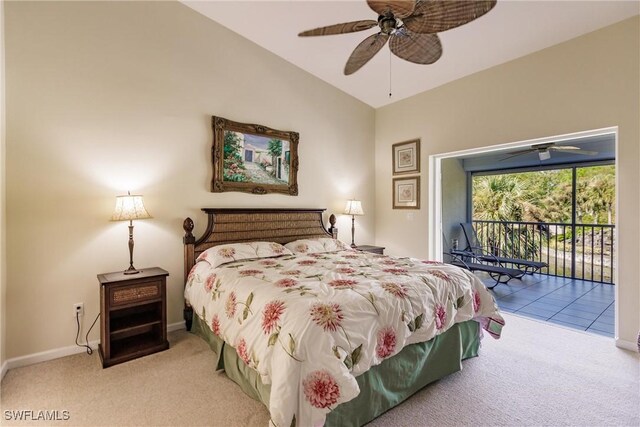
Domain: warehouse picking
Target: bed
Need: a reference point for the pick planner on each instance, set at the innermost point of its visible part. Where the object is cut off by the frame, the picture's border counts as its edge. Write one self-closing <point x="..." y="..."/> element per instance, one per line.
<point x="318" y="332"/>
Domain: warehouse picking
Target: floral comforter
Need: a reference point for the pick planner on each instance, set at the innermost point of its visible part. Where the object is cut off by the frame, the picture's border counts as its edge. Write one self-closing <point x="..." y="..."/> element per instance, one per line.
<point x="309" y="324"/>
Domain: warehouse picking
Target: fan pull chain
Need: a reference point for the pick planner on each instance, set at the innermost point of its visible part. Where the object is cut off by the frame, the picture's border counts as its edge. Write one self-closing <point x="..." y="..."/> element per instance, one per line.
<point x="389" y="73"/>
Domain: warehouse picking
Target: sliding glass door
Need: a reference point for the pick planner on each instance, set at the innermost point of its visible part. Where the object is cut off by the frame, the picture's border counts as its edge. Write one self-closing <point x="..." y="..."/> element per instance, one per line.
<point x="562" y="215"/>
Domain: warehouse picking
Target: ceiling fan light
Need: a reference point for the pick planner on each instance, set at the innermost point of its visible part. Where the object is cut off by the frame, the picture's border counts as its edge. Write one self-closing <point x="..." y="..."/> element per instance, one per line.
<point x="544" y="154"/>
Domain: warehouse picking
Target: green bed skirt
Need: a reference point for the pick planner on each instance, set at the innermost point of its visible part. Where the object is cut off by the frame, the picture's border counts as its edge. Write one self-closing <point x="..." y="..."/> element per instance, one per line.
<point x="382" y="387"/>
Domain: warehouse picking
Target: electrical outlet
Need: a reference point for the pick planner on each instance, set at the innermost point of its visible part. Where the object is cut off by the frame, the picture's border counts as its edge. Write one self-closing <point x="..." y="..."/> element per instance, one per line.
<point x="78" y="309"/>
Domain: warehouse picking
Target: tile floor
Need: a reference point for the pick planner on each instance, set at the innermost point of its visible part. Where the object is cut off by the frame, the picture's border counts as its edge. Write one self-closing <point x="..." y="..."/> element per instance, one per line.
<point x="576" y="304"/>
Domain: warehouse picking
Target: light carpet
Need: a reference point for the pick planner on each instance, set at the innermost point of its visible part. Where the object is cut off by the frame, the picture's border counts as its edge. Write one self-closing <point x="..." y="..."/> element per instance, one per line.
<point x="536" y="374"/>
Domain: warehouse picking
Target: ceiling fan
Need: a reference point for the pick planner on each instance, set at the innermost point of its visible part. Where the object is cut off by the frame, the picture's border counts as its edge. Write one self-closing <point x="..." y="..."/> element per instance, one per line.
<point x="544" y="151"/>
<point x="410" y="26"/>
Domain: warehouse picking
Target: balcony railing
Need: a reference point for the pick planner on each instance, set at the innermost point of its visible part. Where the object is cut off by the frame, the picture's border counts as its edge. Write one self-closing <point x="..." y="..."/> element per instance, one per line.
<point x="579" y="251"/>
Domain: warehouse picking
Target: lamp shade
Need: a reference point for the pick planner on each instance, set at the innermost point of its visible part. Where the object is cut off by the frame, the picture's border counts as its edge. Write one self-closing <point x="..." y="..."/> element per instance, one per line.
<point x="128" y="208"/>
<point x="354" y="207"/>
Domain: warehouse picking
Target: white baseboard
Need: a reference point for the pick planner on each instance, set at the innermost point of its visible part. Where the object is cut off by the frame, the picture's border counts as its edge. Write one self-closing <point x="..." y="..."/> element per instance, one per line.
<point x="3" y="370"/>
<point x="176" y="326"/>
<point x="45" y="356"/>
<point x="57" y="353"/>
<point x="627" y="345"/>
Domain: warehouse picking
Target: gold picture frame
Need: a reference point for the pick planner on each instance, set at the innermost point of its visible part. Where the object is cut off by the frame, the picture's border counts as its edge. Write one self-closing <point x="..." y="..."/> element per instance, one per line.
<point x="406" y="193"/>
<point x="406" y="157"/>
<point x="253" y="158"/>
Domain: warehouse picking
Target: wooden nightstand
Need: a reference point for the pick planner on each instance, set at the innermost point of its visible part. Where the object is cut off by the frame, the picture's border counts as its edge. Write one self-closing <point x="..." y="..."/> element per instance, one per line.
<point x="133" y="315"/>
<point x="372" y="249"/>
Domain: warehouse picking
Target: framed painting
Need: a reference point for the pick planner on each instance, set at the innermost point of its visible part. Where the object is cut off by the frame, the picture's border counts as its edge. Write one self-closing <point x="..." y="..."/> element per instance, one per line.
<point x="406" y="157"/>
<point x="253" y="158"/>
<point x="406" y="193"/>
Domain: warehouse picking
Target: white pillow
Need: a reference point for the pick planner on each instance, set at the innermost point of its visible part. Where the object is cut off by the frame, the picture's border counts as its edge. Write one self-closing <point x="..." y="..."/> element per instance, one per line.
<point x="314" y="246"/>
<point x="222" y="254"/>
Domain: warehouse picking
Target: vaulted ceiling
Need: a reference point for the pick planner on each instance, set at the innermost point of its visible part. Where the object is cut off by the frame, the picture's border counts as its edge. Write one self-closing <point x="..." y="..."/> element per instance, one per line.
<point x="514" y="28"/>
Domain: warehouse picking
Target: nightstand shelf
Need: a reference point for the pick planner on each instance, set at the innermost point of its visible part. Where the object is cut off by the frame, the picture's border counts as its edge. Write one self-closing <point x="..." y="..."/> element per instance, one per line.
<point x="141" y="327"/>
<point x="370" y="248"/>
<point x="127" y="319"/>
<point x="135" y="346"/>
<point x="133" y="315"/>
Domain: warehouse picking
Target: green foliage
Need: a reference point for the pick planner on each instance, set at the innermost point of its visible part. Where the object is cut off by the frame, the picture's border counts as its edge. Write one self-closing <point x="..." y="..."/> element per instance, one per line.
<point x="545" y="196"/>
<point x="541" y="196"/>
<point x="596" y="195"/>
<point x="275" y="147"/>
<point x="233" y="163"/>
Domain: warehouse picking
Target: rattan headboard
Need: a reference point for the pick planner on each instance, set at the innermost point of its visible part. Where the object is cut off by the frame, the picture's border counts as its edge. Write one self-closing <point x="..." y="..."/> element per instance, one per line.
<point x="246" y="225"/>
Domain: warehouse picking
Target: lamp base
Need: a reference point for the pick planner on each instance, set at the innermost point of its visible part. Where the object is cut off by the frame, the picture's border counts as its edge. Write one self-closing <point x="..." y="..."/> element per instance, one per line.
<point x="353" y="246"/>
<point x="131" y="270"/>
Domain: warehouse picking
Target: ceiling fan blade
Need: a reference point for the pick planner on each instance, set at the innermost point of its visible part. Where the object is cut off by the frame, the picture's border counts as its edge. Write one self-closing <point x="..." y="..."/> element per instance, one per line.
<point x="564" y="148"/>
<point x="364" y="52"/>
<point x="435" y="16"/>
<point x="399" y="8"/>
<point x="343" y="28"/>
<point x="416" y="48"/>
<point x="584" y="152"/>
<point x="572" y="149"/>
<point x="516" y="154"/>
<point x="528" y="150"/>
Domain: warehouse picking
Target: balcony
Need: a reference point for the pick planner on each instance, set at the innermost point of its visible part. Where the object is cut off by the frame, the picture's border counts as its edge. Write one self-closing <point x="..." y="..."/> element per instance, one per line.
<point x="576" y="290"/>
<point x="579" y="251"/>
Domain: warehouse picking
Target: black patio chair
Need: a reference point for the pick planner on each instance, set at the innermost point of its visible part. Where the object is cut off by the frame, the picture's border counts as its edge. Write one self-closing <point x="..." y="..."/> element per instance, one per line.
<point x="467" y="260"/>
<point x="496" y="271"/>
<point x="474" y="246"/>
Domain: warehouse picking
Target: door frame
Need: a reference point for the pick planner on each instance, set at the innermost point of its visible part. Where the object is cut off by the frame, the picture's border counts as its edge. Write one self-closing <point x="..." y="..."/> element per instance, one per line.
<point x="435" y="243"/>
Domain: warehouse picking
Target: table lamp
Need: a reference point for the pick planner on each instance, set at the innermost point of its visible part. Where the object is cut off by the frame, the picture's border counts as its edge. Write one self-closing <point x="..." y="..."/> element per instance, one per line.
<point x="353" y="208"/>
<point x="129" y="208"/>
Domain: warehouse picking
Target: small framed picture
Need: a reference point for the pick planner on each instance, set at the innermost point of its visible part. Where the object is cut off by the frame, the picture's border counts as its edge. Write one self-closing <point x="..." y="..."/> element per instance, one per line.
<point x="406" y="193"/>
<point x="406" y="157"/>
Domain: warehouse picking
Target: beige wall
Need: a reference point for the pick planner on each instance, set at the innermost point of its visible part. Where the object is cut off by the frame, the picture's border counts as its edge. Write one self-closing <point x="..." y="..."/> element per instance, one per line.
<point x="105" y="97"/>
<point x="590" y="82"/>
<point x="3" y="228"/>
<point x="454" y="202"/>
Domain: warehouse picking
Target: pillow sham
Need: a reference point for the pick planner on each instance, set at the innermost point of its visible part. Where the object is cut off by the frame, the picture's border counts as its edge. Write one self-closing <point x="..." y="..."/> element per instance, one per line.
<point x="314" y="246"/>
<point x="222" y="254"/>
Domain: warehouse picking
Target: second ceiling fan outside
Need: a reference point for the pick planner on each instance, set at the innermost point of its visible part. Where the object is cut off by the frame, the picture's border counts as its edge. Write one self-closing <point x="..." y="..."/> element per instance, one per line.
<point x="544" y="151"/>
